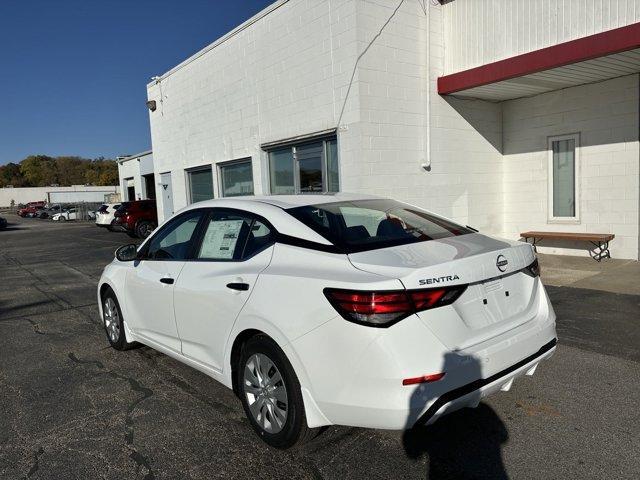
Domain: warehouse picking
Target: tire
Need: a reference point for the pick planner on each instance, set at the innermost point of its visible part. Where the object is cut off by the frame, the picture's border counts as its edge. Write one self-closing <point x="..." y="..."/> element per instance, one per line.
<point x="144" y="228"/>
<point x="257" y="394"/>
<point x="113" y="321"/>
<point x="62" y="218"/>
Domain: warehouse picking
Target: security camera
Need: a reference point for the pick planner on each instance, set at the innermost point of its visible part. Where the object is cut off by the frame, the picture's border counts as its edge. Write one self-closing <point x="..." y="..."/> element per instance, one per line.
<point x="151" y="105"/>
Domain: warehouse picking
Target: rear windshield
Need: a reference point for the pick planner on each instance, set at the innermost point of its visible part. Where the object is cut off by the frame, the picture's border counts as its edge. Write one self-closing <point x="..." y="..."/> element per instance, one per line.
<point x="370" y="224"/>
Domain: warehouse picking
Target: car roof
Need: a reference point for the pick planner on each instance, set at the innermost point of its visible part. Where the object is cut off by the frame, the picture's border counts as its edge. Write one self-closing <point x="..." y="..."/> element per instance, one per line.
<point x="292" y="201"/>
<point x="272" y="207"/>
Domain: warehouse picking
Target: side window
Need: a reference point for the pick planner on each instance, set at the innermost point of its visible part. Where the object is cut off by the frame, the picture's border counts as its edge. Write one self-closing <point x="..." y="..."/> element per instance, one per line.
<point x="174" y="240"/>
<point x="233" y="236"/>
<point x="258" y="238"/>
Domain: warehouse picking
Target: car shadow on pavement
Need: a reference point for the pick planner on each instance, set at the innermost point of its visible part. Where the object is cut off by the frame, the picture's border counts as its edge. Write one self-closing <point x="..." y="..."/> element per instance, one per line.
<point x="11" y="227"/>
<point x="464" y="444"/>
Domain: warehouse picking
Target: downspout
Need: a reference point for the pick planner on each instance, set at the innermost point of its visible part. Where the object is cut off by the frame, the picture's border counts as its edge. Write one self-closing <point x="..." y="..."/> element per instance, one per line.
<point x="426" y="161"/>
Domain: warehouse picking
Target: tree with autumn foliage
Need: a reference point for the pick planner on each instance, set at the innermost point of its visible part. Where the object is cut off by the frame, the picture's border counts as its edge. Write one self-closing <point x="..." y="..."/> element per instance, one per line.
<point x="43" y="170"/>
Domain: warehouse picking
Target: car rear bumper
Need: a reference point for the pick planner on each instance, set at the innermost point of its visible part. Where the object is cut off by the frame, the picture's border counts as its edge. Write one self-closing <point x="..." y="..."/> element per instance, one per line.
<point x="469" y="395"/>
<point x="359" y="381"/>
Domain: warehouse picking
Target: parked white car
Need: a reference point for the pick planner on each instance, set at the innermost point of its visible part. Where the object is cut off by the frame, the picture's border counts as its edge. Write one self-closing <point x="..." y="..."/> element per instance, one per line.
<point x="105" y="214"/>
<point x="332" y="309"/>
<point x="69" y="214"/>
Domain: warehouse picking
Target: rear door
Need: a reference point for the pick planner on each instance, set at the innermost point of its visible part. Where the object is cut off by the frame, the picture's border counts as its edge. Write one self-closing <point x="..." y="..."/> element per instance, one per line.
<point x="215" y="285"/>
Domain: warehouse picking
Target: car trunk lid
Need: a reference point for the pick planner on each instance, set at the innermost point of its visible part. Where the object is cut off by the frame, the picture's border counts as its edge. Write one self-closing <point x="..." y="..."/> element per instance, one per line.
<point x="498" y="297"/>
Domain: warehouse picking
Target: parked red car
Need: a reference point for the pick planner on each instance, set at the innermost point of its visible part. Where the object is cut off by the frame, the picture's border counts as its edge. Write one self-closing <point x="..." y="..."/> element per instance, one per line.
<point x="31" y="208"/>
<point x="137" y="218"/>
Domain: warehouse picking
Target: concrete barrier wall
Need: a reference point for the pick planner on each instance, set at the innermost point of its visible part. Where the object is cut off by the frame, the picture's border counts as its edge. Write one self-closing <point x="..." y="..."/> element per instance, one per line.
<point x="34" y="194"/>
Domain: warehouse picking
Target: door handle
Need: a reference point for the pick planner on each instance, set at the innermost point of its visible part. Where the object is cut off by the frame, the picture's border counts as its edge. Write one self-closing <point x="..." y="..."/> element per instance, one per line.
<point x="243" y="287"/>
<point x="168" y="281"/>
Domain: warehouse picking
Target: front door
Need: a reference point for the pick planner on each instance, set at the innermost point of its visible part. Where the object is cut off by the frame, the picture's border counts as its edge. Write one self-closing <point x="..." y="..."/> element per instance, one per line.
<point x="150" y="282"/>
<point x="215" y="285"/>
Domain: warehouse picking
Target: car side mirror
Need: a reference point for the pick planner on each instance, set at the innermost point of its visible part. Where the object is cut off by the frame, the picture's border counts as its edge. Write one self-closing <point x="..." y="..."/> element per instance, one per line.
<point x="127" y="253"/>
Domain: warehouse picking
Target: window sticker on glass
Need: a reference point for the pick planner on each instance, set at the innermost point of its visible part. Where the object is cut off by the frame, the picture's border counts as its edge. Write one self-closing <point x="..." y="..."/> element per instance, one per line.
<point x="221" y="238"/>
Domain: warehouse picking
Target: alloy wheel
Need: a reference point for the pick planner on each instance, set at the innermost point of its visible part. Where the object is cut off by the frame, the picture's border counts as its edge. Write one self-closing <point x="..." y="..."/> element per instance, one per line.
<point x="111" y="320"/>
<point x="266" y="393"/>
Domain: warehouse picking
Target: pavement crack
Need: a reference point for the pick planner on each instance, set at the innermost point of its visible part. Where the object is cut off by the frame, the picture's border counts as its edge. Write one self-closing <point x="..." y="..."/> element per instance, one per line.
<point x="140" y="460"/>
<point x="75" y="359"/>
<point x="36" y="462"/>
<point x="36" y="326"/>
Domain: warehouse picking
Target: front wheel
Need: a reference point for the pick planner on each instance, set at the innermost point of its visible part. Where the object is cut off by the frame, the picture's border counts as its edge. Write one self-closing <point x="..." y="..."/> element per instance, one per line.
<point x="270" y="394"/>
<point x="113" y="322"/>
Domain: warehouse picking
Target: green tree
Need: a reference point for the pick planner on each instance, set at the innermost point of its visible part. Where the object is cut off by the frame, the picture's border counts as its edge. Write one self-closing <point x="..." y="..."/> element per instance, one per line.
<point x="10" y="175"/>
<point x="71" y="170"/>
<point x="108" y="172"/>
<point x="42" y="170"/>
<point x="39" y="170"/>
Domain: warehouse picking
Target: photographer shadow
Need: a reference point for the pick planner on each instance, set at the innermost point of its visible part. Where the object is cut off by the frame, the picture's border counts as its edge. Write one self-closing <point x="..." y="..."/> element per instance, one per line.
<point x="462" y="445"/>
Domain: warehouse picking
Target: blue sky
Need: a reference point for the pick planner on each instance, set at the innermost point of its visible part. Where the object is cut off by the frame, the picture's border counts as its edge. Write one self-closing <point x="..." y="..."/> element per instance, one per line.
<point x="73" y="73"/>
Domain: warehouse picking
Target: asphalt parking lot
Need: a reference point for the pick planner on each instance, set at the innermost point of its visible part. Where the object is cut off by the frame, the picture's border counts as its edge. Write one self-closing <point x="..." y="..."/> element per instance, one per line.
<point x="71" y="407"/>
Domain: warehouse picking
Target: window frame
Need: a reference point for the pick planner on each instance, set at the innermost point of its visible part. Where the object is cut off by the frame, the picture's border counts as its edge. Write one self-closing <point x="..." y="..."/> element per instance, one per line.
<point x="296" y="164"/>
<point x="220" y="166"/>
<point x="576" y="181"/>
<point x="189" y="171"/>
<point x="197" y="233"/>
<point x="210" y="211"/>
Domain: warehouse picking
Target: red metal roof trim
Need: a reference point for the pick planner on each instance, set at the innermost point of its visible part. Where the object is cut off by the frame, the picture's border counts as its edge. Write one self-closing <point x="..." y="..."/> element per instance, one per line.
<point x="579" y="50"/>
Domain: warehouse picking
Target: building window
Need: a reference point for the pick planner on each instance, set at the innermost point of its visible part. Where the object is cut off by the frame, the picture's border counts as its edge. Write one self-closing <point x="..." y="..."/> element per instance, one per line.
<point x="564" y="200"/>
<point x="236" y="178"/>
<point x="200" y="183"/>
<point x="309" y="167"/>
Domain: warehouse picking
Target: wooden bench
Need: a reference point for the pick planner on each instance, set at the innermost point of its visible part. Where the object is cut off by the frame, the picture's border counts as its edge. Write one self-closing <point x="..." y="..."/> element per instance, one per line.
<point x="600" y="241"/>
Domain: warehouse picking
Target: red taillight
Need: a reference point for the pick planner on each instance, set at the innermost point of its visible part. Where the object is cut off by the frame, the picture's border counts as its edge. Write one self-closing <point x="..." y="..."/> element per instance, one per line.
<point x="423" y="379"/>
<point x="372" y="307"/>
<point x="423" y="299"/>
<point x="383" y="309"/>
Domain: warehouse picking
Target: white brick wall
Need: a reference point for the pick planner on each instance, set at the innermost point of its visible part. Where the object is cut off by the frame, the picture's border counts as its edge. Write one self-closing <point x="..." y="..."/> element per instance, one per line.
<point x="285" y="75"/>
<point x="606" y="116"/>
<point x="288" y="73"/>
<point x="37" y="194"/>
<point x="387" y="141"/>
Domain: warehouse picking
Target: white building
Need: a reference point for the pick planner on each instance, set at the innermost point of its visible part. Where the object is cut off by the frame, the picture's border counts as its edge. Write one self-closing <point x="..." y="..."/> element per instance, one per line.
<point x="136" y="175"/>
<point x="74" y="194"/>
<point x="504" y="115"/>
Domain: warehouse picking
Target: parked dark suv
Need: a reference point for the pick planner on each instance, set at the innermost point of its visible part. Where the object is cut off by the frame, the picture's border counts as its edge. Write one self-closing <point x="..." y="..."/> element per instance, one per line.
<point x="137" y="218"/>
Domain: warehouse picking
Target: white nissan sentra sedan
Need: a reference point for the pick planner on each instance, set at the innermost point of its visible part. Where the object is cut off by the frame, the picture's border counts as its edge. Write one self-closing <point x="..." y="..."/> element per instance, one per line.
<point x="332" y="309"/>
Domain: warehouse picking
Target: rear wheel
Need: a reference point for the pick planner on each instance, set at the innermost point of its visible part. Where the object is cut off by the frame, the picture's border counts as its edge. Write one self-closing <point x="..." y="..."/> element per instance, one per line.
<point x="144" y="228"/>
<point x="113" y="322"/>
<point x="270" y="394"/>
